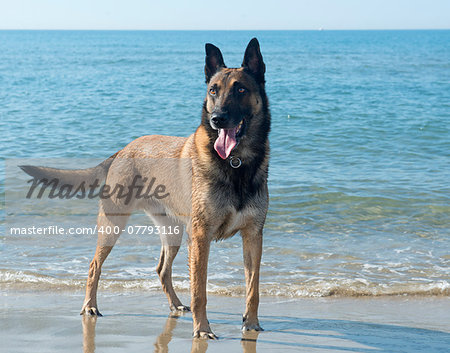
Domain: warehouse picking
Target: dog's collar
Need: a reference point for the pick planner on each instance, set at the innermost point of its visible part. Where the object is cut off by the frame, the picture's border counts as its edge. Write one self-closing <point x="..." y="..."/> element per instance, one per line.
<point x="235" y="162"/>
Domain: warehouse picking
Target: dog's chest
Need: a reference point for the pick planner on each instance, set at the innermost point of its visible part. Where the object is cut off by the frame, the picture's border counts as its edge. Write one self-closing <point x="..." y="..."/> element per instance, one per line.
<point x="232" y="222"/>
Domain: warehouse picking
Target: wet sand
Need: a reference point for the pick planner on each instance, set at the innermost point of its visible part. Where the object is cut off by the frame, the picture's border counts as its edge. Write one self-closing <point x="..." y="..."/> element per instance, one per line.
<point x="45" y="321"/>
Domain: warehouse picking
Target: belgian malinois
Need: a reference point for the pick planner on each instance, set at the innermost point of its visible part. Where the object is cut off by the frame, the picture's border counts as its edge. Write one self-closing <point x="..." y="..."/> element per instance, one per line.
<point x="216" y="178"/>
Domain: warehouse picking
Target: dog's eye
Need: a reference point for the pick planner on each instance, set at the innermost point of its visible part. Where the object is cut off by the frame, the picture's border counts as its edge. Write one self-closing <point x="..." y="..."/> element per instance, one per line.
<point x="242" y="90"/>
<point x="212" y="92"/>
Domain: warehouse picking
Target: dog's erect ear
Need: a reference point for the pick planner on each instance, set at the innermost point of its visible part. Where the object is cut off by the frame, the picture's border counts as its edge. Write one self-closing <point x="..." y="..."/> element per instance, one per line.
<point x="253" y="61"/>
<point x="213" y="61"/>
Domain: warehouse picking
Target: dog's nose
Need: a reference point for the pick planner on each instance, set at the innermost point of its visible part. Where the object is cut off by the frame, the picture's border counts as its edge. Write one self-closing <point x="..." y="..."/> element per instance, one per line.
<point x="218" y="118"/>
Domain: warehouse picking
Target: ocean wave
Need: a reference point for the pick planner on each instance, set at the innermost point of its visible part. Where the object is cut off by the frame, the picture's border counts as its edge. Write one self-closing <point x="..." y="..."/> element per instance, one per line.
<point x="12" y="280"/>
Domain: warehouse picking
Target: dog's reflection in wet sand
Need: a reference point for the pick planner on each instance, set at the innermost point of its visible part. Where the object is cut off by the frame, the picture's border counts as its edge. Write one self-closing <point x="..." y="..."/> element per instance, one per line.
<point x="248" y="340"/>
<point x="89" y="323"/>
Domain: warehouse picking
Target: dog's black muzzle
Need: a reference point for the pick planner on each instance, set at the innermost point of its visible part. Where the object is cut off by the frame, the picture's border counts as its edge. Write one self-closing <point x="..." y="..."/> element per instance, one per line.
<point x="219" y="120"/>
<point x="223" y="120"/>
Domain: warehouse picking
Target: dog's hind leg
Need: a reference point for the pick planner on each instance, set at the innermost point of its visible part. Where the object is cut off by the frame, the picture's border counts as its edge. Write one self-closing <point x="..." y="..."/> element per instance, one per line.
<point x="171" y="234"/>
<point x="164" y="270"/>
<point x="110" y="224"/>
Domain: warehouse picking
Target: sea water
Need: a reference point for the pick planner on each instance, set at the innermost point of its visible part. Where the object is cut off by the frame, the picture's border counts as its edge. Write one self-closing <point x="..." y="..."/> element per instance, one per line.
<point x="359" y="168"/>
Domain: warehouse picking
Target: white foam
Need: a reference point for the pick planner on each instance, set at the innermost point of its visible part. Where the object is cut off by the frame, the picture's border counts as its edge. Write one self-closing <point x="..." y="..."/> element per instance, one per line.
<point x="314" y="287"/>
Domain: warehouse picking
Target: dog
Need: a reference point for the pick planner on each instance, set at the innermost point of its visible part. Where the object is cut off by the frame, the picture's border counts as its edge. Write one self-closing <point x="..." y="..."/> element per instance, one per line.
<point x="216" y="180"/>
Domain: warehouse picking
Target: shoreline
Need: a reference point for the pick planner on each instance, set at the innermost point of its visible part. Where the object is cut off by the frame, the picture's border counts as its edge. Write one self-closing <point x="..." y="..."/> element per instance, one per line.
<point x="141" y="321"/>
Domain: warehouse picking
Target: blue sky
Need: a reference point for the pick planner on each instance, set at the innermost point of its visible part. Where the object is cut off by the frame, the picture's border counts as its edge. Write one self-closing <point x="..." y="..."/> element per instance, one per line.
<point x="229" y="14"/>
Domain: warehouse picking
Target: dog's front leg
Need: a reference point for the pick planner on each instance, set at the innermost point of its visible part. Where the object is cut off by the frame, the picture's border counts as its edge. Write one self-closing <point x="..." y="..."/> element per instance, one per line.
<point x="198" y="266"/>
<point x="252" y="245"/>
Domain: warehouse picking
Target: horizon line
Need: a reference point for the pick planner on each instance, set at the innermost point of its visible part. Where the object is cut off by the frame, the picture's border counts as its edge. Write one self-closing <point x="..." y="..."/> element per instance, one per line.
<point x="224" y="30"/>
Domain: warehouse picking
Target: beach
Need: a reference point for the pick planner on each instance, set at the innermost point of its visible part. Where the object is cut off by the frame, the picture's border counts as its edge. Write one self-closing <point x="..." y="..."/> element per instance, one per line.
<point x="44" y="321"/>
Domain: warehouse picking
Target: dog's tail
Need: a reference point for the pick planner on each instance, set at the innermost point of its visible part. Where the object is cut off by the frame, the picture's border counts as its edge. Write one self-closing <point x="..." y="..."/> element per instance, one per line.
<point x="73" y="177"/>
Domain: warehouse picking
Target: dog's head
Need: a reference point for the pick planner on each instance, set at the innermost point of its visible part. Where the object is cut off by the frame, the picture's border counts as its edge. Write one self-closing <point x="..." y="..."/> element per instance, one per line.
<point x="235" y="98"/>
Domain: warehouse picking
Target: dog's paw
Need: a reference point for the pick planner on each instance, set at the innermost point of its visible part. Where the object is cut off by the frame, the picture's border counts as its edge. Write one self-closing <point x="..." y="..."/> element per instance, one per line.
<point x="91" y="311"/>
<point x="180" y="308"/>
<point x="205" y="335"/>
<point x="249" y="325"/>
<point x="252" y="327"/>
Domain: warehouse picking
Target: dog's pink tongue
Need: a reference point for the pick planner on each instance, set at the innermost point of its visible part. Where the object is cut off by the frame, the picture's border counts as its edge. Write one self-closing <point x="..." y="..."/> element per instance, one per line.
<point x="225" y="142"/>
